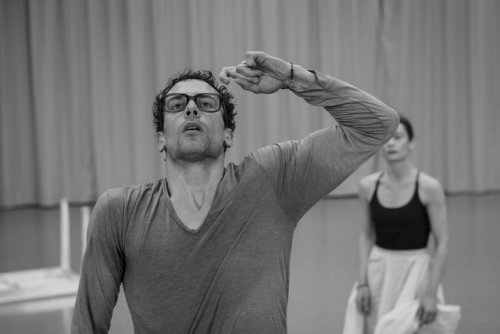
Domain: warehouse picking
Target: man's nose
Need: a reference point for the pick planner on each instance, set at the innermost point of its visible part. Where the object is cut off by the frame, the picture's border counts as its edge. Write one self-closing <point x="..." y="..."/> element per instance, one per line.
<point x="191" y="110"/>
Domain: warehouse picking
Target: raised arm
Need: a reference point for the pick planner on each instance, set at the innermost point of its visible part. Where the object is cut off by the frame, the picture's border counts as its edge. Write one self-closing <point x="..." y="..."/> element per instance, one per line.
<point x="261" y="73"/>
<point x="305" y="170"/>
<point x="102" y="268"/>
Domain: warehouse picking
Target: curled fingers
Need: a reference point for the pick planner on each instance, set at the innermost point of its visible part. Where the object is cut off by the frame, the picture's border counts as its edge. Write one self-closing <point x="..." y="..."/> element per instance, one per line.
<point x="226" y="73"/>
<point x="426" y="317"/>
<point x="247" y="71"/>
<point x="241" y="71"/>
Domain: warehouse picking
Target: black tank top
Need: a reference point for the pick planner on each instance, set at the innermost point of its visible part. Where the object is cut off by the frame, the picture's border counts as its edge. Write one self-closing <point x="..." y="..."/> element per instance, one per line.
<point x="405" y="227"/>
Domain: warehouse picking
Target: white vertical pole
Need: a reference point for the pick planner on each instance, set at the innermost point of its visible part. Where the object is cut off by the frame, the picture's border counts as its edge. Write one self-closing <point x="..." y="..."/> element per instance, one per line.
<point x="65" y="235"/>
<point x="85" y="210"/>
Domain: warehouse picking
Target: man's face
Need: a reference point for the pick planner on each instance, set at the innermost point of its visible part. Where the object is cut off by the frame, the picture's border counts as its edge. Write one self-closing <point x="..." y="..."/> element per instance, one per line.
<point x="191" y="134"/>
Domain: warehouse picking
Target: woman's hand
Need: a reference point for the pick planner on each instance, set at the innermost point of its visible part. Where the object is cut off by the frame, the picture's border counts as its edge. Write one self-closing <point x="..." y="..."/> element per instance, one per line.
<point x="363" y="299"/>
<point x="427" y="311"/>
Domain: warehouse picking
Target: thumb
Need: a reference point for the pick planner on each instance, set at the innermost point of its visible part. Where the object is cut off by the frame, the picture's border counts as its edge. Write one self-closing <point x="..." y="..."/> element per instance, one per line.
<point x="254" y="58"/>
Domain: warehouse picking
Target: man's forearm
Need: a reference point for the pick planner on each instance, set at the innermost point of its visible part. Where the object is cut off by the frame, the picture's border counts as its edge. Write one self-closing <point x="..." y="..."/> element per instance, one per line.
<point x="372" y="120"/>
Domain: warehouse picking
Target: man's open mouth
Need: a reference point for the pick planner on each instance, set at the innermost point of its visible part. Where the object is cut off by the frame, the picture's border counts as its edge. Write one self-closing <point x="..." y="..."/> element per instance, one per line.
<point x="191" y="126"/>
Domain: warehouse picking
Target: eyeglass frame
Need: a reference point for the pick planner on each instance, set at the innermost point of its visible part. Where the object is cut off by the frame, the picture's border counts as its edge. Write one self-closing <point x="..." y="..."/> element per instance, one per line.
<point x="194" y="98"/>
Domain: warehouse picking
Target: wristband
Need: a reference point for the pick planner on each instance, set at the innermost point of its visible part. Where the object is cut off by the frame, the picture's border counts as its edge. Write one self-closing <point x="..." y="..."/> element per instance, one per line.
<point x="359" y="286"/>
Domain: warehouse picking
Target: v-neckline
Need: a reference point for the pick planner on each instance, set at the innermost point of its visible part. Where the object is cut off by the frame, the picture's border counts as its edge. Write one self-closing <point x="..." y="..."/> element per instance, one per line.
<point x="206" y="221"/>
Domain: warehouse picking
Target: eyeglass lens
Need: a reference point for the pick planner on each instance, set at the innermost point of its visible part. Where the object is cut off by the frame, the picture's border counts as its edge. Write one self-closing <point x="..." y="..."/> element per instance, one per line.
<point x="205" y="102"/>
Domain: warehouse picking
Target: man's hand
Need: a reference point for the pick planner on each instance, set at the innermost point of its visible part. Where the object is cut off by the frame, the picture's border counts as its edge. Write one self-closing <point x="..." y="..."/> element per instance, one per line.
<point x="363" y="299"/>
<point x="259" y="73"/>
<point x="427" y="311"/>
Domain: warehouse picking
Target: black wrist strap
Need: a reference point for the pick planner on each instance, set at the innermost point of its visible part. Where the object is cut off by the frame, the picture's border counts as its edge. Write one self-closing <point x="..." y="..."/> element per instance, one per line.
<point x="290" y="84"/>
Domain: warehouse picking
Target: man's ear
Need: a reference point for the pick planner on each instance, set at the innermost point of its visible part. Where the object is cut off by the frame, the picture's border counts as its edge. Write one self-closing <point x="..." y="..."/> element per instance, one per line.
<point x="228" y="137"/>
<point x="162" y="146"/>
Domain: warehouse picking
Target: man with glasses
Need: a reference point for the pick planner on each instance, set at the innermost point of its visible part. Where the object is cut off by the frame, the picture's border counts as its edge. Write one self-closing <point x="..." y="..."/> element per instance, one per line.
<point x="207" y="248"/>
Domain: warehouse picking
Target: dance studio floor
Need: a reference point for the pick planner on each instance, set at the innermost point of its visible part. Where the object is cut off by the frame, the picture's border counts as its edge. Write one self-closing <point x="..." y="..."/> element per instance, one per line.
<point x="323" y="267"/>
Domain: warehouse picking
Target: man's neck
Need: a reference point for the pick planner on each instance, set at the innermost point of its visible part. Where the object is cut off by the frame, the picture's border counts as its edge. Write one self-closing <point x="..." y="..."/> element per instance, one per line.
<point x="194" y="178"/>
<point x="192" y="189"/>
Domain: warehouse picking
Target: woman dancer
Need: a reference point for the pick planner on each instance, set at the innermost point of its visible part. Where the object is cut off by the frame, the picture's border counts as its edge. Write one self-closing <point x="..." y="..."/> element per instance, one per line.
<point x="404" y="209"/>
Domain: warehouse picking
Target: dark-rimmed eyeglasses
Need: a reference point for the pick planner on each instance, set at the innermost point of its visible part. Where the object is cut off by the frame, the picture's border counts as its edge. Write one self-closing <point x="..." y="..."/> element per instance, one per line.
<point x="206" y="102"/>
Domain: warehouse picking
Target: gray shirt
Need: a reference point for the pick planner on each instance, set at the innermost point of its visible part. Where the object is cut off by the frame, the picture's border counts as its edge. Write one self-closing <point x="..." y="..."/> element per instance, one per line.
<point x="230" y="275"/>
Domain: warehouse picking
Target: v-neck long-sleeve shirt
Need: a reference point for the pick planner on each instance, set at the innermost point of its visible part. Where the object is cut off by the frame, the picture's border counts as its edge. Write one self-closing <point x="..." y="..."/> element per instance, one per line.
<point x="230" y="275"/>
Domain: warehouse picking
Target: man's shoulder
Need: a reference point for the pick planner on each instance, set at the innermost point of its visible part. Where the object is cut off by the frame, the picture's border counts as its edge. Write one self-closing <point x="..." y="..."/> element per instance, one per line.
<point x="276" y="153"/>
<point x="123" y="193"/>
<point x="247" y="169"/>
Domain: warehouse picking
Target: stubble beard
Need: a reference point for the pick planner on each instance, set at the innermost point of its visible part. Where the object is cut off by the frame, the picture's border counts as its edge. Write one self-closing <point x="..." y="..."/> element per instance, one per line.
<point x="196" y="150"/>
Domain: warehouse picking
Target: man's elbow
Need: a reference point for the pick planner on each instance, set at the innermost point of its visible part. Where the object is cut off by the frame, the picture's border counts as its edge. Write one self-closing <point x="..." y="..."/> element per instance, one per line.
<point x="391" y="123"/>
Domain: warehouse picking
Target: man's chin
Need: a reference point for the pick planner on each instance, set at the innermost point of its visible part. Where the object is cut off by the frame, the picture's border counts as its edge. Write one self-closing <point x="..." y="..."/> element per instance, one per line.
<point x="192" y="156"/>
<point x="194" y="153"/>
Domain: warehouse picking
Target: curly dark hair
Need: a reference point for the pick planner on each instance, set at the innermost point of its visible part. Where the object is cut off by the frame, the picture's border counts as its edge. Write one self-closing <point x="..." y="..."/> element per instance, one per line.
<point x="228" y="103"/>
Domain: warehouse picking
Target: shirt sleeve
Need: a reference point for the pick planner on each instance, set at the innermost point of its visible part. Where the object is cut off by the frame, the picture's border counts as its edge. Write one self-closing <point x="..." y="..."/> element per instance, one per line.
<point x="102" y="267"/>
<point x="303" y="171"/>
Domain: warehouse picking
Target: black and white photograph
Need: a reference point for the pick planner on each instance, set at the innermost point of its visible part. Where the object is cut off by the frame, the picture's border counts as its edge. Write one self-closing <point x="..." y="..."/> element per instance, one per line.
<point x="249" y="166"/>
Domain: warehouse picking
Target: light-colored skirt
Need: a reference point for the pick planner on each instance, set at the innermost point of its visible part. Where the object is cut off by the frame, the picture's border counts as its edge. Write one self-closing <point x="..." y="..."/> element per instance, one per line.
<point x="395" y="278"/>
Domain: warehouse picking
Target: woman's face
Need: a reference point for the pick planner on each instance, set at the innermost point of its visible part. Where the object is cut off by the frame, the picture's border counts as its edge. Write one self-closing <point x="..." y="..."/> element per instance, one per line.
<point x="399" y="146"/>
